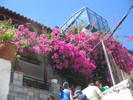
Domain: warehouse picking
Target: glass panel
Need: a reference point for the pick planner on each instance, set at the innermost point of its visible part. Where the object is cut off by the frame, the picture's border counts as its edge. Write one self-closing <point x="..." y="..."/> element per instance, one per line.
<point x="106" y="27"/>
<point x="86" y="17"/>
<point x="100" y="23"/>
<point x="76" y="14"/>
<point x="92" y="17"/>
<point x="64" y="27"/>
<point x="71" y="21"/>
<point x="75" y="23"/>
<point x="80" y="19"/>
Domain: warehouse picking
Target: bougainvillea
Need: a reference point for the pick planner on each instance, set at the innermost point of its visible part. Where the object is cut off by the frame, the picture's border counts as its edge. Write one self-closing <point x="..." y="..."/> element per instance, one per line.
<point x="79" y="50"/>
<point x="83" y="52"/>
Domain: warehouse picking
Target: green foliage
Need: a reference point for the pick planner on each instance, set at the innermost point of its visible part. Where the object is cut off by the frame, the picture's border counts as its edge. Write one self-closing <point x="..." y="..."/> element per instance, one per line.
<point x="6" y="31"/>
<point x="74" y="29"/>
<point x="73" y="77"/>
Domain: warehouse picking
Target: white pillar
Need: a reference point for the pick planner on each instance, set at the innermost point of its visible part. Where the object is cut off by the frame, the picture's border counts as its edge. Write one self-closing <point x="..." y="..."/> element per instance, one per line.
<point x="55" y="86"/>
<point x="18" y="78"/>
<point x="5" y="70"/>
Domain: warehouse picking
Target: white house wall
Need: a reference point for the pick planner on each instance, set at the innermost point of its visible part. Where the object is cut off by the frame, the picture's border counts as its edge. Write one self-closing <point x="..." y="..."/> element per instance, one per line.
<point x="5" y="69"/>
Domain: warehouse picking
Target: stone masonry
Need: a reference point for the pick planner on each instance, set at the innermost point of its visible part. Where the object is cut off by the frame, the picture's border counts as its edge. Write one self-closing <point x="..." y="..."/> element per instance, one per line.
<point x="19" y="92"/>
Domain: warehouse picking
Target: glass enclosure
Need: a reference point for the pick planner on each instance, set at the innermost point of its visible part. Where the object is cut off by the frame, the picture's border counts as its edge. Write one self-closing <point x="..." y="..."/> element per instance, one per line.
<point x="86" y="17"/>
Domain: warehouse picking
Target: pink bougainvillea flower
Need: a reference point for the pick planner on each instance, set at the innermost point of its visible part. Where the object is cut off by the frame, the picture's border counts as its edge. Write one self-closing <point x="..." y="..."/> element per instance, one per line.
<point x="104" y="32"/>
<point x="116" y="24"/>
<point x="20" y="27"/>
<point x="43" y="31"/>
<point x="27" y="23"/>
<point x="129" y="38"/>
<point x="94" y="24"/>
<point x="66" y="62"/>
<point x="10" y="20"/>
<point x="104" y="62"/>
<point x="111" y="17"/>
<point x="55" y="56"/>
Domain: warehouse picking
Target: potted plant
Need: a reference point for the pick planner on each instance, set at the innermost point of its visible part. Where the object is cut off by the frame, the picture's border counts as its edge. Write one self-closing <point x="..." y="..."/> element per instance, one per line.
<point x="13" y="39"/>
<point x="7" y="51"/>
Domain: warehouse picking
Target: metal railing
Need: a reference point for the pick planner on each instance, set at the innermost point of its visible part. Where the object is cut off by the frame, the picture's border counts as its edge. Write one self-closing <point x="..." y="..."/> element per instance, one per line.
<point x="35" y="83"/>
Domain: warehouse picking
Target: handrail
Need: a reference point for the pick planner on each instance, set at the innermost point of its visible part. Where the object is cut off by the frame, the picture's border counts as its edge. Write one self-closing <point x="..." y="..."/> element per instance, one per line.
<point x="36" y="83"/>
<point x="33" y="82"/>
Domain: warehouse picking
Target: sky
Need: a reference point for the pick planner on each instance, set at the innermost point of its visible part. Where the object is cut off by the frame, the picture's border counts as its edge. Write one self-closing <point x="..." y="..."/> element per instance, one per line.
<point x="55" y="12"/>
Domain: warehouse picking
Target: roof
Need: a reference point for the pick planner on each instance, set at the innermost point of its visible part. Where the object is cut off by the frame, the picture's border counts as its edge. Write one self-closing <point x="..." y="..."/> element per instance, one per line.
<point x="86" y="17"/>
<point x="20" y="19"/>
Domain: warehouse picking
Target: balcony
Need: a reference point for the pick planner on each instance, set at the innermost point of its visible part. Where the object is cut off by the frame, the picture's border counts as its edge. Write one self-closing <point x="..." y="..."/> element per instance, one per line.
<point x="27" y="81"/>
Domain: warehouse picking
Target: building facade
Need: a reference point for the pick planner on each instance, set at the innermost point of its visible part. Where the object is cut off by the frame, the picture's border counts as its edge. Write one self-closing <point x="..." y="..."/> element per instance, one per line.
<point x="34" y="80"/>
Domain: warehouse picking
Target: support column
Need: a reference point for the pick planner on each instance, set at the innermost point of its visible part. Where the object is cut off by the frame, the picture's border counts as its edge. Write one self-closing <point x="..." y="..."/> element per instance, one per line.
<point x="18" y="78"/>
<point x="55" y="86"/>
<point x="5" y="70"/>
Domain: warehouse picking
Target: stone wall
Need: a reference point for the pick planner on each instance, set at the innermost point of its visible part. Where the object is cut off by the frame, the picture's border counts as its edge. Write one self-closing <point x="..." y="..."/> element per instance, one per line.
<point x="121" y="91"/>
<point x="19" y="92"/>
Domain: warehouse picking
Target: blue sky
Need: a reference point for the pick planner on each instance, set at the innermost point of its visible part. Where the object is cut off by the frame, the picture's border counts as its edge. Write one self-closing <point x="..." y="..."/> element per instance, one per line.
<point x="55" y="12"/>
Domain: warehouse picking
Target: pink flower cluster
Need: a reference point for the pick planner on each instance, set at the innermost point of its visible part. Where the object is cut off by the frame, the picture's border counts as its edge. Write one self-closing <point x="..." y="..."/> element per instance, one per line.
<point x="120" y="54"/>
<point x="81" y="51"/>
<point x="24" y="38"/>
<point x="66" y="54"/>
<point x="77" y="51"/>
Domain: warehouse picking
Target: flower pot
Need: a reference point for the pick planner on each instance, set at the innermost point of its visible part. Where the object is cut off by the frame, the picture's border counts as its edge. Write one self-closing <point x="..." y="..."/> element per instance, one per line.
<point x="17" y="69"/>
<point x="7" y="51"/>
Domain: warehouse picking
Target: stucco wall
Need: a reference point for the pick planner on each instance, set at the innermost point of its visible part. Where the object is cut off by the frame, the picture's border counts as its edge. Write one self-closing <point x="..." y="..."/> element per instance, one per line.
<point x="121" y="91"/>
<point x="5" y="69"/>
